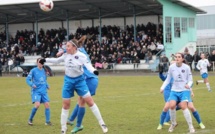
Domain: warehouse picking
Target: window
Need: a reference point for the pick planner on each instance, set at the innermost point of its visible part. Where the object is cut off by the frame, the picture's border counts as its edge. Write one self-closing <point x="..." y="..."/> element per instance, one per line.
<point x="177" y="30"/>
<point x="168" y="29"/>
<point x="191" y="22"/>
<point x="184" y="25"/>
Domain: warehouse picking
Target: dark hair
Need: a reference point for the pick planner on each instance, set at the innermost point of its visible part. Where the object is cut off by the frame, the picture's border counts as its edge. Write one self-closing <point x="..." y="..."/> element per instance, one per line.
<point x="38" y="59"/>
<point x="74" y="42"/>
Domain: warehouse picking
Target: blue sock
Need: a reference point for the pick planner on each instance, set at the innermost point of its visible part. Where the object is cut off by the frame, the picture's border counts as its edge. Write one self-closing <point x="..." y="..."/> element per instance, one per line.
<point x="74" y="113"/>
<point x="197" y="117"/>
<point x="81" y="113"/>
<point x="167" y="119"/>
<point x="33" y="112"/>
<point x="47" y="113"/>
<point x="162" y="117"/>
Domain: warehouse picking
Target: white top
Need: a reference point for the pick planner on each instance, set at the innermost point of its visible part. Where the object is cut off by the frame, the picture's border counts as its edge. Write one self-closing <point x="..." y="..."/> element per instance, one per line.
<point x="181" y="76"/>
<point x="73" y="63"/>
<point x="202" y="66"/>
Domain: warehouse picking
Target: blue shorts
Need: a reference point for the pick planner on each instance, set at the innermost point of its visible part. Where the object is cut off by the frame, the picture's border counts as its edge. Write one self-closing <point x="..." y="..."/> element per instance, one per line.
<point x="204" y="75"/>
<point x="39" y="97"/>
<point x="180" y="96"/>
<point x="92" y="84"/>
<point x="77" y="84"/>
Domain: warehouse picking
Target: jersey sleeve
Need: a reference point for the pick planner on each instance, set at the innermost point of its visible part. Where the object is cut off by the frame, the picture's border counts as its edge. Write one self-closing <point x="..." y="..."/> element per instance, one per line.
<point x="198" y="65"/>
<point x="190" y="77"/>
<point x="88" y="65"/>
<point x="162" y="77"/>
<point x="56" y="60"/>
<point x="208" y="63"/>
<point x="29" y="78"/>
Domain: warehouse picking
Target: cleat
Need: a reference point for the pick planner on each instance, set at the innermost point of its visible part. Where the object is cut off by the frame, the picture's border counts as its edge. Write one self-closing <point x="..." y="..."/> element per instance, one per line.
<point x="166" y="123"/>
<point x="48" y="123"/>
<point x="76" y="129"/>
<point x="159" y="127"/>
<point x="197" y="82"/>
<point x="192" y="130"/>
<point x="172" y="127"/>
<point x="104" y="128"/>
<point x="202" y="126"/>
<point x="63" y="132"/>
<point x="209" y="90"/>
<point x="69" y="122"/>
<point x="30" y="122"/>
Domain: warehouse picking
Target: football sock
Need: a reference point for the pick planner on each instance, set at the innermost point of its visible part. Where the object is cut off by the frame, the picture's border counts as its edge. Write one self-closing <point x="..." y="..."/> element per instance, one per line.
<point x="188" y="117"/>
<point x="63" y="121"/>
<point x="208" y="86"/>
<point x="47" y="113"/>
<point x="81" y="113"/>
<point x="173" y="116"/>
<point x="162" y="117"/>
<point x="200" y="81"/>
<point x="197" y="117"/>
<point x="74" y="113"/>
<point x="33" y="112"/>
<point x="97" y="113"/>
<point x="167" y="119"/>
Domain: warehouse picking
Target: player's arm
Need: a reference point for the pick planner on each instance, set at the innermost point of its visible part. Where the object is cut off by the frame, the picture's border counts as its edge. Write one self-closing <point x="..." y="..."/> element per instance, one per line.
<point x="198" y="65"/>
<point x="56" y="60"/>
<point x="29" y="79"/>
<point x="162" y="77"/>
<point x="89" y="66"/>
<point x="190" y="79"/>
<point x="208" y="63"/>
<point x="167" y="81"/>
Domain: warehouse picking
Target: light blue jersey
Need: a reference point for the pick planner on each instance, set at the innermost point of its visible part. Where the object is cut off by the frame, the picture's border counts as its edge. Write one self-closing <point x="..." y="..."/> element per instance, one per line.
<point x="37" y="77"/>
<point x="86" y="72"/>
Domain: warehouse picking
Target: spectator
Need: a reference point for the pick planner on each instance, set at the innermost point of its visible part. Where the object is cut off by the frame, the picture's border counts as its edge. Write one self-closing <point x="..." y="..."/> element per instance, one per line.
<point x="164" y="62"/>
<point x="196" y="58"/>
<point x="189" y="59"/>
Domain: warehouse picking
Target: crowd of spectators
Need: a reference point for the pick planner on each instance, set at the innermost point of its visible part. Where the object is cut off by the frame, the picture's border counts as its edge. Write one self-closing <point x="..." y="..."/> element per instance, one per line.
<point x="117" y="45"/>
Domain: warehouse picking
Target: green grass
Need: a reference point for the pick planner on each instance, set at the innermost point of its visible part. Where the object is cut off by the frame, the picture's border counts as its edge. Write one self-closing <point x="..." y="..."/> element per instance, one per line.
<point x="129" y="105"/>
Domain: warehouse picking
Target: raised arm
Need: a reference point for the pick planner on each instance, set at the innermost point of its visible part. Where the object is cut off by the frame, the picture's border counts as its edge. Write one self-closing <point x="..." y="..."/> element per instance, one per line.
<point x="56" y="60"/>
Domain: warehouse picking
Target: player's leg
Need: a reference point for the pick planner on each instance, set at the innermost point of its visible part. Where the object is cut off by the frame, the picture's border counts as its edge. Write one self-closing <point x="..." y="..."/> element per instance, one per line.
<point x="36" y="100"/>
<point x="207" y="82"/>
<point x="83" y="91"/>
<point x="163" y="115"/>
<point x="196" y="114"/>
<point x="80" y="116"/>
<point x="67" y="93"/>
<point x="45" y="100"/>
<point x="172" y="111"/>
<point x="184" y="106"/>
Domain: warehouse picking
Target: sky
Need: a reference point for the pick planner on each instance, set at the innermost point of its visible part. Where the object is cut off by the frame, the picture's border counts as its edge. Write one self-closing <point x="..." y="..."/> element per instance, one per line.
<point x="200" y="3"/>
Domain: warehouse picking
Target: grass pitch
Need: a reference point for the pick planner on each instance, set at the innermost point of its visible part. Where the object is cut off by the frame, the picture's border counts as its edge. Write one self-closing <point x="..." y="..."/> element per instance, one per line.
<point x="129" y="105"/>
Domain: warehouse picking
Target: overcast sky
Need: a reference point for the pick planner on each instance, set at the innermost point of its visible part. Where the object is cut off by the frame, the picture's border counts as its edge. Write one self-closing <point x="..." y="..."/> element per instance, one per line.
<point x="200" y="3"/>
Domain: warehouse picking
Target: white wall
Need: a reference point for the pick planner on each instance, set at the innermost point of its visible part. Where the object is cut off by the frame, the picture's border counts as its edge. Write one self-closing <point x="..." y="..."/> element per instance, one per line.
<point x="74" y="24"/>
<point x="206" y="33"/>
<point x="49" y="25"/>
<point x="14" y="27"/>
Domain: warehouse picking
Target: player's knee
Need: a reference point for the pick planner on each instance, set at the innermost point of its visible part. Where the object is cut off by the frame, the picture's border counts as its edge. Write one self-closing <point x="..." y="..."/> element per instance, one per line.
<point x="37" y="105"/>
<point x="66" y="104"/>
<point x="89" y="101"/>
<point x="46" y="105"/>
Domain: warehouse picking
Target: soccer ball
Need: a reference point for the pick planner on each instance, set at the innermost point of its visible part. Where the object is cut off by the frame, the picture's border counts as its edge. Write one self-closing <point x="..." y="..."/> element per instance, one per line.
<point x="46" y="5"/>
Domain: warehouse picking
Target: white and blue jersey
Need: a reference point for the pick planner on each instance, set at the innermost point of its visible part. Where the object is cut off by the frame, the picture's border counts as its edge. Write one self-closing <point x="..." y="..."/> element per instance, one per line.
<point x="37" y="77"/>
<point x="202" y="66"/>
<point x="181" y="76"/>
<point x="74" y="79"/>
